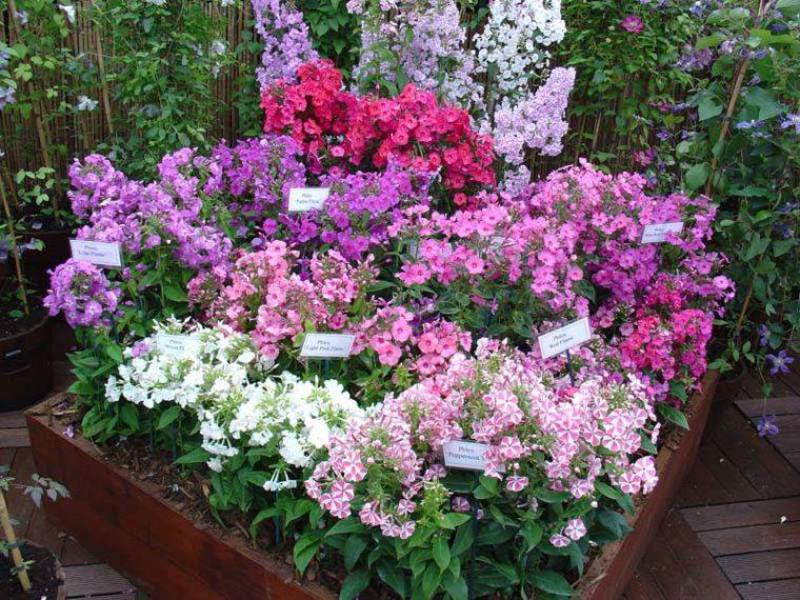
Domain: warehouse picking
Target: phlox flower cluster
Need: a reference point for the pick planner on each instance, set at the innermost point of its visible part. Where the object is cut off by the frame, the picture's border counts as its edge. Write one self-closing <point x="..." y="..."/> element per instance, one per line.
<point x="286" y="40"/>
<point x="363" y="131"/>
<point x="82" y="292"/>
<point x="223" y="382"/>
<point x="539" y="436"/>
<point x="425" y="41"/>
<point x="265" y="296"/>
<point x="141" y="217"/>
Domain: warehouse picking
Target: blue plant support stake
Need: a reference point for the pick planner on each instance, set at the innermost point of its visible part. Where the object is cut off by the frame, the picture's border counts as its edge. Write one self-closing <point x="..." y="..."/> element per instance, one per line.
<point x="276" y="520"/>
<point x="474" y="548"/>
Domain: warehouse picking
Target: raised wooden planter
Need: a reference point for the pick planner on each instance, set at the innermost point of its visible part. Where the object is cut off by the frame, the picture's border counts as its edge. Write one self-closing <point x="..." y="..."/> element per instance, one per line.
<point x="124" y="522"/>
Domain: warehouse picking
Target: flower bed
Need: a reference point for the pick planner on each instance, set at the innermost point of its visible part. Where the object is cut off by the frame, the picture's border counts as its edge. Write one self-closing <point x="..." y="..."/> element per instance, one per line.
<point x="356" y="329"/>
<point x="125" y="522"/>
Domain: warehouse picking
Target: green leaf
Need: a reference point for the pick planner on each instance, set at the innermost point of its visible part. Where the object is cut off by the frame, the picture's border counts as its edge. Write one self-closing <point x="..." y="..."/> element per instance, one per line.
<point x="130" y="416"/>
<point x="114" y="353"/>
<point x="353" y="548"/>
<point x="305" y="549"/>
<point x="463" y="540"/>
<point x="175" y="293"/>
<point x="454" y="520"/>
<point x="198" y="455"/>
<point x="552" y="583"/>
<point x="168" y="416"/>
<point x="673" y="415"/>
<point x="441" y="552"/>
<point x="531" y="532"/>
<point x="431" y="580"/>
<point x="349" y="525"/>
<point x="696" y="176"/>
<point x="355" y="583"/>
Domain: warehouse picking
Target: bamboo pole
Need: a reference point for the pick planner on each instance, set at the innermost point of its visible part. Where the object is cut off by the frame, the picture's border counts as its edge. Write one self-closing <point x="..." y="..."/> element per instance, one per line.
<point x="103" y="83"/>
<point x="14" y="248"/>
<point x="44" y="142"/>
<point x="11" y="538"/>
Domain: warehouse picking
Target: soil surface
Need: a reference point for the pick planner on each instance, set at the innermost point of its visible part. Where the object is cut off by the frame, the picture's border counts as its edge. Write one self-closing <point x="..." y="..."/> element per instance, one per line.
<point x="10" y="326"/>
<point x="42" y="573"/>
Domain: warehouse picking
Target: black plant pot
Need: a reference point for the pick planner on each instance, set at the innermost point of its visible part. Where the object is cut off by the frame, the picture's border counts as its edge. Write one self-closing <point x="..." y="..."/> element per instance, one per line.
<point x="26" y="373"/>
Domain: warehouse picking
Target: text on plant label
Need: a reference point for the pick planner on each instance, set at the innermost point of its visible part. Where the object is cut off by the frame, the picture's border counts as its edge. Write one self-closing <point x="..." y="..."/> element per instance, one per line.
<point x="327" y="345"/>
<point x="562" y="339"/>
<point x="656" y="233"/>
<point x="102" y="254"/>
<point x="305" y="199"/>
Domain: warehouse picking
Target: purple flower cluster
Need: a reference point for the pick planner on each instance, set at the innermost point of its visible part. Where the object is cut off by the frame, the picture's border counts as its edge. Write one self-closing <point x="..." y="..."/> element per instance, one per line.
<point x="140" y="217"/>
<point x="81" y="291"/>
<point x="287" y="44"/>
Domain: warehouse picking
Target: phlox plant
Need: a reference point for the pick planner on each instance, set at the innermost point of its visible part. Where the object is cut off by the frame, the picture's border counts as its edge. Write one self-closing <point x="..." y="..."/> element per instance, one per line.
<point x="220" y="402"/>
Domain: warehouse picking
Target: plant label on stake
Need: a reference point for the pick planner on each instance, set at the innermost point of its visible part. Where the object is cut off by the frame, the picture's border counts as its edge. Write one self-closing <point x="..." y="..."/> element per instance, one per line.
<point x="327" y="345"/>
<point x="175" y="345"/>
<point x="306" y="199"/>
<point x="102" y="254"/>
<point x="564" y="338"/>
<point x="657" y="233"/>
<point x="464" y="455"/>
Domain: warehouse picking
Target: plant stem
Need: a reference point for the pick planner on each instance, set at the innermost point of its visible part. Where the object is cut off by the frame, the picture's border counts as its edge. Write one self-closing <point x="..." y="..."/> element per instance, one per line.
<point x="11" y="538"/>
<point x="12" y="236"/>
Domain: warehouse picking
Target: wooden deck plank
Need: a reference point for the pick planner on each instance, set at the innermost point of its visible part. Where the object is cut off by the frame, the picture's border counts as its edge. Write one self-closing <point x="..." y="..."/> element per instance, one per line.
<point x="40" y="531"/>
<point x="742" y="514"/>
<point x="769" y="473"/>
<point x="756" y="407"/>
<point x="12" y="420"/>
<point x="680" y="552"/>
<point x="20" y="506"/>
<point x="14" y="438"/>
<point x="756" y="538"/>
<point x="786" y="442"/>
<point x="784" y="589"/>
<point x="726" y="474"/>
<point x="761" y="566"/>
<point x="72" y="553"/>
<point x="83" y="581"/>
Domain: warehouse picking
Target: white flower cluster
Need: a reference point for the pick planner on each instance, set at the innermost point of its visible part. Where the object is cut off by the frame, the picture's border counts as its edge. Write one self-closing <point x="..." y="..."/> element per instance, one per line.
<point x="220" y="376"/>
<point x="513" y="44"/>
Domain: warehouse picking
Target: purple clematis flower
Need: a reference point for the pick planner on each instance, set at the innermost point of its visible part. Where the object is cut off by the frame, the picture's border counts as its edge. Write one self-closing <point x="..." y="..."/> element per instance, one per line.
<point x="780" y="362"/>
<point x="768" y="426"/>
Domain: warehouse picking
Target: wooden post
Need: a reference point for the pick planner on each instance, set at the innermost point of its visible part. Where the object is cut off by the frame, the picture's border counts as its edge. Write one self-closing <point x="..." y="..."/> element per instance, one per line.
<point x="16" y="555"/>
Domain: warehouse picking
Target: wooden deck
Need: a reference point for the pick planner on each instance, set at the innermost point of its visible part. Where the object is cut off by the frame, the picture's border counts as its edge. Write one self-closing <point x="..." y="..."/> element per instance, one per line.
<point x="733" y="532"/>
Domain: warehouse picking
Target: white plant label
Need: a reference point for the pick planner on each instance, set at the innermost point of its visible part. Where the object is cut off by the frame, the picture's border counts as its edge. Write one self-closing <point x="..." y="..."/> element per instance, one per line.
<point x="102" y="254"/>
<point x="306" y="199"/>
<point x="175" y="345"/>
<point x="562" y="339"/>
<point x="657" y="232"/>
<point x="465" y="455"/>
<point x="327" y="345"/>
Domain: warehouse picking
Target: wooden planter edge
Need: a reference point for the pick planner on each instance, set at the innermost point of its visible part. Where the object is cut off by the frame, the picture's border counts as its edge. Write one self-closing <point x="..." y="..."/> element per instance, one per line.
<point x="124" y="522"/>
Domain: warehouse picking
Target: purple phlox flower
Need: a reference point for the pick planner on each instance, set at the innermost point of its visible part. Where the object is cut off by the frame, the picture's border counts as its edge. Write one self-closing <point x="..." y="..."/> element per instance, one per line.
<point x="632" y="24"/>
<point x="780" y="362"/>
<point x="768" y="426"/>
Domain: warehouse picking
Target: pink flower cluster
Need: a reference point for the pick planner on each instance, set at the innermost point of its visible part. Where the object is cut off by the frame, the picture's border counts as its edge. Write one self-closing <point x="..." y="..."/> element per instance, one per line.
<point x="538" y="436"/>
<point x="412" y="128"/>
